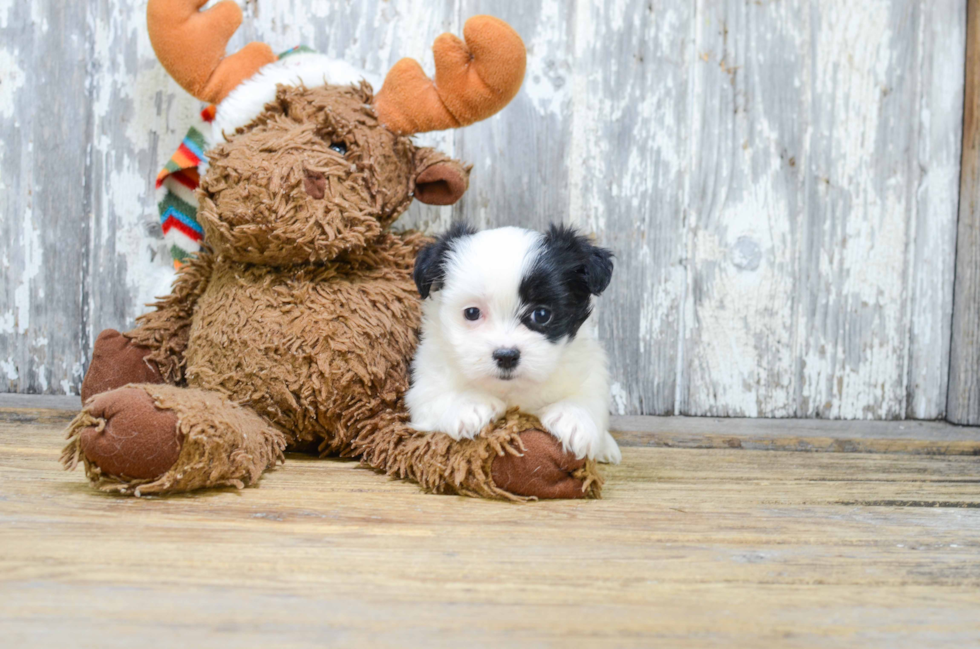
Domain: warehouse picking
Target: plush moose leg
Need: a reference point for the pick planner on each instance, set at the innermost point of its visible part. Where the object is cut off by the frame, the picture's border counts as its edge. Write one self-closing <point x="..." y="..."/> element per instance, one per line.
<point x="511" y="460"/>
<point x="117" y="361"/>
<point x="148" y="439"/>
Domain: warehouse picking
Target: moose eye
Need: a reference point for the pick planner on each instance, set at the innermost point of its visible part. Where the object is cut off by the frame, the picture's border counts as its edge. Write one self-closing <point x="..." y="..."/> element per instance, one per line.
<point x="339" y="147"/>
<point x="541" y="316"/>
<point x="472" y="313"/>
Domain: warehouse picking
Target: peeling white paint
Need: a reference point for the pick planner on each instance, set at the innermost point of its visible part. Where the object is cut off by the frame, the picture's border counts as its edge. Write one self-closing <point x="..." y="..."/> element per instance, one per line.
<point x="6" y="8"/>
<point x="42" y="375"/>
<point x="12" y="80"/>
<point x="32" y="258"/>
<point x="620" y="399"/>
<point x="548" y="71"/>
<point x="9" y="369"/>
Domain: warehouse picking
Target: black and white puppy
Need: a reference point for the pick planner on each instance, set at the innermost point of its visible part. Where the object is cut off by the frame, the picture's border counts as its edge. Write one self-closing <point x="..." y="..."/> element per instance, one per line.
<point x="502" y="324"/>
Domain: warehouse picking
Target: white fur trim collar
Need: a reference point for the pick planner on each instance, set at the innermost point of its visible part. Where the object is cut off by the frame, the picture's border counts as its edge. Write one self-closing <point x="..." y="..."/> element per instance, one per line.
<point x="247" y="100"/>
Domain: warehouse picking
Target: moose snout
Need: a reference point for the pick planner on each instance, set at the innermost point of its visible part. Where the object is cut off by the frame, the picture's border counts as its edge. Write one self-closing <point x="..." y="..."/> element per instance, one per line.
<point x="507" y="358"/>
<point x="315" y="184"/>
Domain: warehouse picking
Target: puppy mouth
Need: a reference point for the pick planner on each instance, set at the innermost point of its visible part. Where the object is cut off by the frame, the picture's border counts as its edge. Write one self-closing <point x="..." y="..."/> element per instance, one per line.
<point x="506" y="375"/>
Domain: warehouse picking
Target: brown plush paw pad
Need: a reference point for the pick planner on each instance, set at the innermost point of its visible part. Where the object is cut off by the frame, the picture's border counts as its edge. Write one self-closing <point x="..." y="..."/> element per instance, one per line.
<point x="116" y="362"/>
<point x="544" y="470"/>
<point x="138" y="441"/>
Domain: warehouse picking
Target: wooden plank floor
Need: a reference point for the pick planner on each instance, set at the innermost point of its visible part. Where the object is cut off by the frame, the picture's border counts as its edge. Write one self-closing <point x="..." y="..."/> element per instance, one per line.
<point x="690" y="547"/>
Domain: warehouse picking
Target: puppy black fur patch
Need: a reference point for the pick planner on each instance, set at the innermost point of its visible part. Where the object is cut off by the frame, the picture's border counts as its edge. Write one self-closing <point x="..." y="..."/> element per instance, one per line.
<point x="566" y="273"/>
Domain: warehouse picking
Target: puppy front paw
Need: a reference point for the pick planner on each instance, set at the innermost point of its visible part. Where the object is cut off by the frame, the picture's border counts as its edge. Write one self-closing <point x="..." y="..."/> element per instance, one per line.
<point x="468" y="416"/>
<point x="609" y="452"/>
<point x="578" y="432"/>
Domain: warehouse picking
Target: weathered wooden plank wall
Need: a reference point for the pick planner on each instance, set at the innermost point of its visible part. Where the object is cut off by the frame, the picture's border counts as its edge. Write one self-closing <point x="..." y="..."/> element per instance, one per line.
<point x="45" y="202"/>
<point x="778" y="179"/>
<point x="823" y="208"/>
<point x="964" y="377"/>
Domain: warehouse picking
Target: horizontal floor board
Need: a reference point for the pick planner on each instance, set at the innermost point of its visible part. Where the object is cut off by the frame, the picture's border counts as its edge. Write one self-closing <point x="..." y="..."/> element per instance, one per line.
<point x="689" y="547"/>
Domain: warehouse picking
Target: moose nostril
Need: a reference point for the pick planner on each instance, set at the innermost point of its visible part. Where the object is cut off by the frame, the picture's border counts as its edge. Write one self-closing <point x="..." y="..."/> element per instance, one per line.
<point x="507" y="359"/>
<point x="315" y="184"/>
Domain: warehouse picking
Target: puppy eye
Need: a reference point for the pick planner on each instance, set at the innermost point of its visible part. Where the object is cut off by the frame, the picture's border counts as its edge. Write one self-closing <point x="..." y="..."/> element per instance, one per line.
<point x="541" y="316"/>
<point x="339" y="147"/>
<point x="471" y="313"/>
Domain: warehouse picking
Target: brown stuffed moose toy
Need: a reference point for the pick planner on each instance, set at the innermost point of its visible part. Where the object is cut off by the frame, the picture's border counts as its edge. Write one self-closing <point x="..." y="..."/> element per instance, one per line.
<point x="293" y="330"/>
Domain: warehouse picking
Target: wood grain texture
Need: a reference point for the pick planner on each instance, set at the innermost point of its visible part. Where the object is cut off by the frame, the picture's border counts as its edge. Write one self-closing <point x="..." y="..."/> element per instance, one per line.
<point x="778" y="180"/>
<point x="823" y="209"/>
<point x="688" y="548"/>
<point x="631" y="158"/>
<point x="45" y="210"/>
<point x="932" y="258"/>
<point x="964" y="372"/>
<point x="856" y="229"/>
<point x="803" y="435"/>
<point x="747" y="198"/>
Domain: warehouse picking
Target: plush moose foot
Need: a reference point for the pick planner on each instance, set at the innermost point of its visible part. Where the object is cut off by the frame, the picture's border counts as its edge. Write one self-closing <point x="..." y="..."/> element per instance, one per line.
<point x="131" y="438"/>
<point x="117" y="361"/>
<point x="144" y="439"/>
<point x="511" y="459"/>
<point x="543" y="469"/>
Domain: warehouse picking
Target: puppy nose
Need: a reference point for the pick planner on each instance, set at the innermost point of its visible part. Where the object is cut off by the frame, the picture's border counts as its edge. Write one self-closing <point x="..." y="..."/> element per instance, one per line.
<point x="507" y="358"/>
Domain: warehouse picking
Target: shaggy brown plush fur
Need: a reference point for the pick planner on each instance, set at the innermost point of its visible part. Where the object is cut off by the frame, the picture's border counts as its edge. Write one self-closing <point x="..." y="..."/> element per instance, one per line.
<point x="297" y="328"/>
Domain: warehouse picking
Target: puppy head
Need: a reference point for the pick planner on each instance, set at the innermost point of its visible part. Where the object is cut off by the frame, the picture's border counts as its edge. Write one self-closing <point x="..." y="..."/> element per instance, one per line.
<point x="505" y="303"/>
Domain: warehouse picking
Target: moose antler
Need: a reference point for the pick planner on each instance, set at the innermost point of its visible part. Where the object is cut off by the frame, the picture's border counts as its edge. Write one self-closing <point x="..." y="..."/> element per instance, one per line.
<point x="473" y="80"/>
<point x="191" y="46"/>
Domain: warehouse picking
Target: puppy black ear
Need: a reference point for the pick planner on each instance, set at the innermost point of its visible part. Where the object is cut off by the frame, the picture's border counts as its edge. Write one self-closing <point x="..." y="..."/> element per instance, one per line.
<point x="430" y="264"/>
<point x="427" y="268"/>
<point x="598" y="269"/>
<point x="593" y="265"/>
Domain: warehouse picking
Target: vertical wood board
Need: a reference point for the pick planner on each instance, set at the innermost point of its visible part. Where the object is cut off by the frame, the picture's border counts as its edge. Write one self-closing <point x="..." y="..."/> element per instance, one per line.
<point x="964" y="374"/>
<point x="45" y="129"/>
<point x="853" y="318"/>
<point x="632" y="156"/>
<point x="823" y="210"/>
<point x="933" y="254"/>
<point x="746" y="201"/>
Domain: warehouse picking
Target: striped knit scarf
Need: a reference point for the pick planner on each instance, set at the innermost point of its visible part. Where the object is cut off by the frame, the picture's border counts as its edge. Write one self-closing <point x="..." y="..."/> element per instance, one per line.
<point x="179" y="180"/>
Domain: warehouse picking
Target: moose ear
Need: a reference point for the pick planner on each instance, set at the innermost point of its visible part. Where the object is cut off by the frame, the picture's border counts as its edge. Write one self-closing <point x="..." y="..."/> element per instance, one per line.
<point x="439" y="180"/>
<point x="430" y="264"/>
